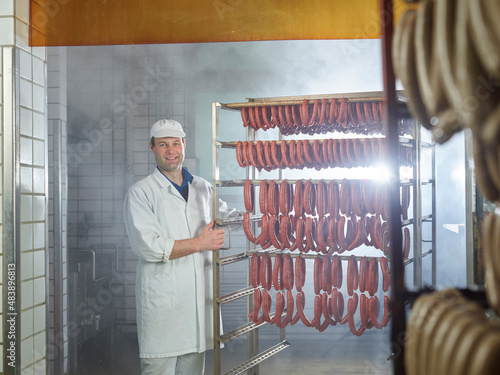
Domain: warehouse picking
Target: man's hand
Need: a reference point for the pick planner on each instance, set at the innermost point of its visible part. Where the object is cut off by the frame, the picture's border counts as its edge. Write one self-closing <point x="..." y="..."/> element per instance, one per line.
<point x="210" y="238"/>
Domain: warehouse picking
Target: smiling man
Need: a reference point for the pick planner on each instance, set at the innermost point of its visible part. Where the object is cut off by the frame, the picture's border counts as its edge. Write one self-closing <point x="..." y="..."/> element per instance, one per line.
<point x="168" y="218"/>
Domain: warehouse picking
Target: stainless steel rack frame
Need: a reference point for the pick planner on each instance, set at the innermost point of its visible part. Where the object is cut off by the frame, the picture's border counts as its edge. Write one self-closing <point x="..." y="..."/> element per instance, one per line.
<point x="419" y="252"/>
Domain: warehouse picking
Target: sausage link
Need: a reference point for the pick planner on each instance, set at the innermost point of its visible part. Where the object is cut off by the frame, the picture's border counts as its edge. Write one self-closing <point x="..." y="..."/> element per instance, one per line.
<point x="316" y="322"/>
<point x="341" y="238"/>
<point x="300" y="273"/>
<point x="322" y="113"/>
<point x="248" y="193"/>
<point x="266" y="116"/>
<point x="272" y="198"/>
<point x="276" y="155"/>
<point x="274" y="231"/>
<point x="352" y="275"/>
<point x="319" y="162"/>
<point x="374" y="311"/>
<point x="316" y="275"/>
<point x="299" y="234"/>
<point x="280" y="307"/>
<point x="325" y="307"/>
<point x="321" y="194"/>
<point x="309" y="200"/>
<point x="350" y="317"/>
<point x="309" y="157"/>
<point x="300" y="303"/>
<point x="298" y="199"/>
<point x="266" y="272"/>
<point x="255" y="270"/>
<point x="363" y="274"/>
<point x="247" y="227"/>
<point x="266" y="306"/>
<point x="239" y="154"/>
<point x="309" y="233"/>
<point x="263" y="197"/>
<point x="281" y="117"/>
<point x="285" y="240"/>
<point x="252" y="155"/>
<point x="349" y="150"/>
<point x="373" y="277"/>
<point x="277" y="272"/>
<point x="292" y="150"/>
<point x="336" y="272"/>
<point x="326" y="270"/>
<point x="322" y="235"/>
<point x="314" y="115"/>
<point x="385" y="274"/>
<point x="304" y="112"/>
<point x="337" y="306"/>
<point x="289" y="309"/>
<point x="297" y="122"/>
<point x="332" y="236"/>
<point x="288" y="272"/>
<point x="285" y="156"/>
<point x="356" y="198"/>
<point x="345" y="201"/>
<point x="360" y="235"/>
<point x="261" y="156"/>
<point x="264" y="240"/>
<point x="332" y="113"/>
<point x="284" y="198"/>
<point x="244" y="116"/>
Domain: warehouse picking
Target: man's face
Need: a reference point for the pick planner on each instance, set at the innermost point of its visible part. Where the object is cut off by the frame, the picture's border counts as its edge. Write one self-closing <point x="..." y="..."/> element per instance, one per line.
<point x="169" y="153"/>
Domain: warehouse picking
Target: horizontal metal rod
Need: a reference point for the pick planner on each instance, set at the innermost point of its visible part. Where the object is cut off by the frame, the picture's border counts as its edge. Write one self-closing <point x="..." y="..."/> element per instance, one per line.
<point x="254" y="361"/>
<point x="235" y="295"/>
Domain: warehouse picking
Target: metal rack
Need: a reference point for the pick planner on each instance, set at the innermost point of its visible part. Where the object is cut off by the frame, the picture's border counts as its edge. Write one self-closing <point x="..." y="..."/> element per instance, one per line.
<point x="418" y="219"/>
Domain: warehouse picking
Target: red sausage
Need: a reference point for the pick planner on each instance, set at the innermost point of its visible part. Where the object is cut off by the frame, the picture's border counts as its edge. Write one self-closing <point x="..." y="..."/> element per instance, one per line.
<point x="248" y="193"/>
<point x="277" y="269"/>
<point x="247" y="227"/>
<point x="275" y="155"/>
<point x="274" y="231"/>
<point x="385" y="274"/>
<point x="263" y="197"/>
<point x="255" y="270"/>
<point x="300" y="303"/>
<point x="336" y="272"/>
<point x="300" y="273"/>
<point x="266" y="272"/>
<point x="363" y="273"/>
<point x="272" y="198"/>
<point x="373" y="277"/>
<point x="239" y="154"/>
<point x="317" y="271"/>
<point x="288" y="272"/>
<point x="280" y="306"/>
<point x="244" y="116"/>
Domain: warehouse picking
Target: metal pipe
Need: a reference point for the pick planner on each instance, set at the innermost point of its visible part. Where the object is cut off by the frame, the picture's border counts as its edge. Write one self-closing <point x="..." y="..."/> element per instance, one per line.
<point x="391" y="116"/>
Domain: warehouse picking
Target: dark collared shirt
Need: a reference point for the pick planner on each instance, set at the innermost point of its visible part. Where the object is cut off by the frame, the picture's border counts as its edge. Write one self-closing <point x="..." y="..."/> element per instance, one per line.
<point x="186" y="179"/>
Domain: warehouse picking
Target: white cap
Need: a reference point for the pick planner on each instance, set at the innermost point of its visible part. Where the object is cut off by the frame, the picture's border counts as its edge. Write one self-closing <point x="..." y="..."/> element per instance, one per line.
<point x="167" y="128"/>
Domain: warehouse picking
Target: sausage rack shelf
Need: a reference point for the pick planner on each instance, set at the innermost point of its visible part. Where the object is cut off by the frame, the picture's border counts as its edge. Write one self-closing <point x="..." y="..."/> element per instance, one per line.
<point x="421" y="248"/>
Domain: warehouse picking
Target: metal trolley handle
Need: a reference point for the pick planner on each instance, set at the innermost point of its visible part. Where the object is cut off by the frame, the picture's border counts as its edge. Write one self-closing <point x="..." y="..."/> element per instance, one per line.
<point x="219" y="224"/>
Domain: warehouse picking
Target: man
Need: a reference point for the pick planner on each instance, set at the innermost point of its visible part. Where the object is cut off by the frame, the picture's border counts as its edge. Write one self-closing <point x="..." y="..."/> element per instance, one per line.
<point x="168" y="218"/>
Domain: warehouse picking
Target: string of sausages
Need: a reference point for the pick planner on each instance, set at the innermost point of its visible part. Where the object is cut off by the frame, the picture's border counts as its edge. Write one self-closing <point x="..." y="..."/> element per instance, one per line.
<point x="328" y="217"/>
<point x="329" y="302"/>
<point x="320" y="116"/>
<point x="318" y="154"/>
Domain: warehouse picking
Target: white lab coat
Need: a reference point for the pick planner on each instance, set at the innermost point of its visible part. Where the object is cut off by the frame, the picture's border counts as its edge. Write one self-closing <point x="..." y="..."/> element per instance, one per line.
<point x="173" y="297"/>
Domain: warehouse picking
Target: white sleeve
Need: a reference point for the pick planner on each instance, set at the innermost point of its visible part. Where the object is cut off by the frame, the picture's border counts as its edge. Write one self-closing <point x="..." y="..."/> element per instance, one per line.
<point x="143" y="228"/>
